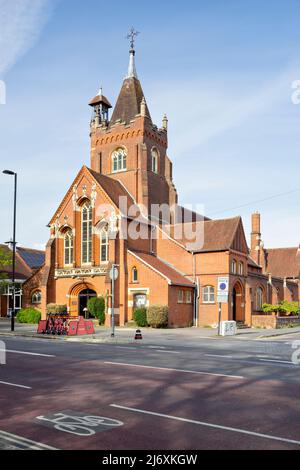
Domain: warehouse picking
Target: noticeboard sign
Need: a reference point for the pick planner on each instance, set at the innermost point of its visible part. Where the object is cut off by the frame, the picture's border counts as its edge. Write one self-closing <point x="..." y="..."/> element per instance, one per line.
<point x="223" y="289"/>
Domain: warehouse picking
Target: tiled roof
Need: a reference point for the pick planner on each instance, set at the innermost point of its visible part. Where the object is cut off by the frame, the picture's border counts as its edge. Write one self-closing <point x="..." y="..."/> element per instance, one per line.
<point x="283" y="262"/>
<point x="213" y="235"/>
<point x="100" y="99"/>
<point x="33" y="258"/>
<point x="167" y="271"/>
<point x="129" y="102"/>
<point x="22" y="270"/>
<point x="113" y="188"/>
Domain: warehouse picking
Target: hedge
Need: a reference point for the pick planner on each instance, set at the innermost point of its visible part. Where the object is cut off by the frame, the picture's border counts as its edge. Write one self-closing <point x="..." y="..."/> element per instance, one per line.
<point x="29" y="315"/>
<point x="157" y="316"/>
<point x="140" y="316"/>
<point x="56" y="308"/>
<point x="96" y="307"/>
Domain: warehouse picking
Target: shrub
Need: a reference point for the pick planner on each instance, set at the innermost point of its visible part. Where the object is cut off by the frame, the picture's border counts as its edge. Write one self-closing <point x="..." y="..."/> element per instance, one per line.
<point x="56" y="308"/>
<point x="157" y="316"/>
<point x="140" y="316"/>
<point x="96" y="307"/>
<point x="29" y="315"/>
<point x="284" y="308"/>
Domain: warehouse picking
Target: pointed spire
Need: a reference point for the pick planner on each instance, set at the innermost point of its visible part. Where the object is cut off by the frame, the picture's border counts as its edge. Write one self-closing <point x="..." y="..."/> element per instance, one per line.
<point x="131" y="68"/>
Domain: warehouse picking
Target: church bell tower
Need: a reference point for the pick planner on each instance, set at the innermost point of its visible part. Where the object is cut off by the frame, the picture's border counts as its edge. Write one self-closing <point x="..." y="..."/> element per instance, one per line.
<point x="128" y="146"/>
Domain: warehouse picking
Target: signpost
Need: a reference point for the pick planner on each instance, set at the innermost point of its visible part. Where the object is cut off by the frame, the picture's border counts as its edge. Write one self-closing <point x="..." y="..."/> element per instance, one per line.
<point x="223" y="290"/>
<point x="113" y="274"/>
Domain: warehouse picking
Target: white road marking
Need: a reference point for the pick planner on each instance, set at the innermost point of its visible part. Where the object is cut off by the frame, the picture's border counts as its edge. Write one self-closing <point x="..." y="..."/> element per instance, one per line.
<point x="27" y="353"/>
<point x="218" y="355"/>
<point x="15" y="385"/>
<point x="276" y="360"/>
<point x="166" y="351"/>
<point x="174" y="370"/>
<point x="209" y="425"/>
<point x="24" y="442"/>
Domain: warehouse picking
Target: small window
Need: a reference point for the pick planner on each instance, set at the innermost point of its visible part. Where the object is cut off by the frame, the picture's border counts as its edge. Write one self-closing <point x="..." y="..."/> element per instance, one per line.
<point x="36" y="297"/>
<point x="104" y="245"/>
<point x="154" y="158"/>
<point x="180" y="296"/>
<point x="119" y="160"/>
<point x="208" y="294"/>
<point x="233" y="266"/>
<point x="241" y="268"/>
<point x="188" y="297"/>
<point x="134" y="275"/>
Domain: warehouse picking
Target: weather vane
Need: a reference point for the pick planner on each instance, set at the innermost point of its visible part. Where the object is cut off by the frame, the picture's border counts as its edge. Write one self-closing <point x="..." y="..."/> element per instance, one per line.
<point x="132" y="35"/>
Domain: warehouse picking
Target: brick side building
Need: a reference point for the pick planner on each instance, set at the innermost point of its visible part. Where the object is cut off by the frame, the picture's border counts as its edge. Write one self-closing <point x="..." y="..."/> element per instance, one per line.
<point x="106" y="218"/>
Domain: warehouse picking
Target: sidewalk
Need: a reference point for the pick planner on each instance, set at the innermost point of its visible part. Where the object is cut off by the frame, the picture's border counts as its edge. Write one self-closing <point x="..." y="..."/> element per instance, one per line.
<point x="151" y="336"/>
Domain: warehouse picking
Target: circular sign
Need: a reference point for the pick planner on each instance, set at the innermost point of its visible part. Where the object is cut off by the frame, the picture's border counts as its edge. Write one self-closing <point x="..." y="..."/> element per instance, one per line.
<point x="114" y="273"/>
<point x="222" y="286"/>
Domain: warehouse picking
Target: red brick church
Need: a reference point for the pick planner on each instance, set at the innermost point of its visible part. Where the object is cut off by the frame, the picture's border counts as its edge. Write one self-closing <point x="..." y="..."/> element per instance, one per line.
<point x="106" y="218"/>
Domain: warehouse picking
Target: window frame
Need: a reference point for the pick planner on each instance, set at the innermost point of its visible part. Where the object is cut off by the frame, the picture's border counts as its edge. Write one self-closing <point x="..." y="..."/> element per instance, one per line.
<point x="258" y="307"/>
<point x="104" y="243"/>
<point x="134" y="274"/>
<point x="180" y="296"/>
<point x="119" y="160"/>
<point x="35" y="293"/>
<point x="210" y="293"/>
<point x="188" y="297"/>
<point x="69" y="249"/>
<point x="87" y="244"/>
<point x="241" y="268"/>
<point x="233" y="266"/>
<point x="154" y="158"/>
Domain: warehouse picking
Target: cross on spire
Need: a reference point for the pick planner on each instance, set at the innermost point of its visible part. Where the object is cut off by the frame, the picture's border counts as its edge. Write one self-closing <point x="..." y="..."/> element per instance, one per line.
<point x="132" y="35"/>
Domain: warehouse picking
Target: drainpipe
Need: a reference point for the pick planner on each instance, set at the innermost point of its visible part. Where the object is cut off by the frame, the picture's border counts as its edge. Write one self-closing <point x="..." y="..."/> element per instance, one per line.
<point x="196" y="292"/>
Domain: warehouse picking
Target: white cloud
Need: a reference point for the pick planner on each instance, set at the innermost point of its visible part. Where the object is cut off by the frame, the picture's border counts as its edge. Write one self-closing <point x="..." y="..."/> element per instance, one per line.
<point x="21" y="22"/>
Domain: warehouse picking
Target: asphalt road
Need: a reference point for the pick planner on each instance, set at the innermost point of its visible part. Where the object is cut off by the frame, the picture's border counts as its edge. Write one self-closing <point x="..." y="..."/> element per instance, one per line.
<point x="220" y="394"/>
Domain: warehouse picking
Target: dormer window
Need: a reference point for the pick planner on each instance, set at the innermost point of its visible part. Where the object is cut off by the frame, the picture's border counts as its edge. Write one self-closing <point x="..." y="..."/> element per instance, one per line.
<point x="119" y="158"/>
<point x="154" y="158"/>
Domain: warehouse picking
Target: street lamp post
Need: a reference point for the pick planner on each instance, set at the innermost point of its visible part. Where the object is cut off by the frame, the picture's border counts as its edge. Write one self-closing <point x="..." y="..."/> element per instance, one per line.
<point x="12" y="173"/>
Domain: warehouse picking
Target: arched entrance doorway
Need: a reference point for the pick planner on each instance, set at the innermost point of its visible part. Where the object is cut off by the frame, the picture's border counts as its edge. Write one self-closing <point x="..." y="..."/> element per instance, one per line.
<point x="83" y="298"/>
<point x="238" y="303"/>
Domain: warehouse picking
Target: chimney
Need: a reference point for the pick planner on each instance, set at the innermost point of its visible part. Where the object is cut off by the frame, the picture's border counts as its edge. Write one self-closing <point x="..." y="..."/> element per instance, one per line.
<point x="256" y="238"/>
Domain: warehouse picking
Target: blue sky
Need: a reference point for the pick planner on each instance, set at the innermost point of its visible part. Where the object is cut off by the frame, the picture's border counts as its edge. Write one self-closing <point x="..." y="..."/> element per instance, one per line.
<point x="221" y="70"/>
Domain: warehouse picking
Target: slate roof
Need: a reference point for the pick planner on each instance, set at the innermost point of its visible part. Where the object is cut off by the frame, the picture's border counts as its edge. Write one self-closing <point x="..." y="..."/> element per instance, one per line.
<point x="129" y="102"/>
<point x="22" y="270"/>
<point x="283" y="262"/>
<point x="33" y="258"/>
<point x="175" y="277"/>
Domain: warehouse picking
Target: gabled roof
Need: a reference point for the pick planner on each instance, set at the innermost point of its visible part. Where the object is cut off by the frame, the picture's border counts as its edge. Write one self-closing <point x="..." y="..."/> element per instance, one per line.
<point x="33" y="258"/>
<point x="112" y="187"/>
<point x="129" y="102"/>
<point x="173" y="276"/>
<point x="283" y="262"/>
<point x="217" y="235"/>
<point x="22" y="270"/>
<point x="100" y="99"/>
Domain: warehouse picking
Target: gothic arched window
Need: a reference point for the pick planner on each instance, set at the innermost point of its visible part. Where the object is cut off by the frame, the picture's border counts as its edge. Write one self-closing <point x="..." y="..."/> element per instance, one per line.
<point x="36" y="297"/>
<point x="86" y="233"/>
<point x="68" y="248"/>
<point x="259" y="298"/>
<point x="134" y="274"/>
<point x="104" y="245"/>
<point x="233" y="266"/>
<point x="154" y="160"/>
<point x="119" y="160"/>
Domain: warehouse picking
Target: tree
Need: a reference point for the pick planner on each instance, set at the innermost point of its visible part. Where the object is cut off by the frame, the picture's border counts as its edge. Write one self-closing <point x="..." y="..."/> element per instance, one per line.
<point x="5" y="262"/>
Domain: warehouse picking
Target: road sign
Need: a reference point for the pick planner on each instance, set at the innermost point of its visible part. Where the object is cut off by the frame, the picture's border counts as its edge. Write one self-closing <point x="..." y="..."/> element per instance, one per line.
<point x="114" y="273"/>
<point x="223" y="289"/>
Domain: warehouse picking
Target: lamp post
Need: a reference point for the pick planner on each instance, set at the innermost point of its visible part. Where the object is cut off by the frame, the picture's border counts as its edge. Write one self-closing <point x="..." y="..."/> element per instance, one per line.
<point x="12" y="173"/>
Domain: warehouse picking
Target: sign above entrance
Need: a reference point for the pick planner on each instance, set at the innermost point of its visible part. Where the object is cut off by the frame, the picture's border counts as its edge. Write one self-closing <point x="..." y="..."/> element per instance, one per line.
<point x="75" y="272"/>
<point x="223" y="289"/>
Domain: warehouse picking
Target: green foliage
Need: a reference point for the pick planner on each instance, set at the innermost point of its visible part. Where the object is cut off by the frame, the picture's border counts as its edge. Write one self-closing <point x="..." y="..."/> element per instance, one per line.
<point x="28" y="315"/>
<point x="140" y="316"/>
<point x="56" y="308"/>
<point x="157" y="316"/>
<point x="283" y="308"/>
<point x="96" y="307"/>
<point x="5" y="261"/>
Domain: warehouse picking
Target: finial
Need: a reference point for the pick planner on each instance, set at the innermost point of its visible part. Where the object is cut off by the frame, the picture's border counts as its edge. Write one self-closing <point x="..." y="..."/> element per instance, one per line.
<point x="143" y="107"/>
<point x="165" y="122"/>
<point x="132" y="35"/>
<point x="131" y="69"/>
<point x="100" y="91"/>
